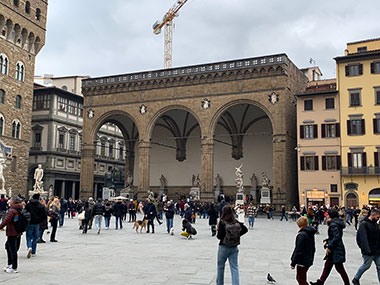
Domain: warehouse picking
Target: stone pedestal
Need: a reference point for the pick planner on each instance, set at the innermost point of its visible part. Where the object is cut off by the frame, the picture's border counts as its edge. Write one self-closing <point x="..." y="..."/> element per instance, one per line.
<point x="253" y="193"/>
<point x="240" y="198"/>
<point x="217" y="192"/>
<point x="265" y="195"/>
<point x="162" y="191"/>
<point x="44" y="194"/>
<point x="195" y="193"/>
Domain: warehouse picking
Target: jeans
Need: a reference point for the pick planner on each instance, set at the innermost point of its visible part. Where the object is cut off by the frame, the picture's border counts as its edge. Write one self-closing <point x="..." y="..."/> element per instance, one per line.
<point x="367" y="264"/>
<point x="231" y="253"/>
<point x="61" y="218"/>
<point x="12" y="246"/>
<point x="284" y="216"/>
<point x="53" y="223"/>
<point x="119" y="220"/>
<point x="339" y="267"/>
<point x="98" y="221"/>
<point x="251" y="221"/>
<point x="169" y="224"/>
<point x="301" y="275"/>
<point x="31" y="237"/>
<point x="107" y="221"/>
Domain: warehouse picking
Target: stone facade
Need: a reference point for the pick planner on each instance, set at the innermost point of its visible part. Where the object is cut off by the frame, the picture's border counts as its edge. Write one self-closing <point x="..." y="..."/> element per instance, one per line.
<point x="268" y="83"/>
<point x="22" y="35"/>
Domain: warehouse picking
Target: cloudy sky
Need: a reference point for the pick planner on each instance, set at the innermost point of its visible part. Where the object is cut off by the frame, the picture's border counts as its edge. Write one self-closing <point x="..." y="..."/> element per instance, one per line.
<point x="98" y="37"/>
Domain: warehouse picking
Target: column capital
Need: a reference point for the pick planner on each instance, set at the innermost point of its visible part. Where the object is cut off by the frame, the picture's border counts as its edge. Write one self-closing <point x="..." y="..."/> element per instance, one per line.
<point x="205" y="141"/>
<point x="144" y="144"/>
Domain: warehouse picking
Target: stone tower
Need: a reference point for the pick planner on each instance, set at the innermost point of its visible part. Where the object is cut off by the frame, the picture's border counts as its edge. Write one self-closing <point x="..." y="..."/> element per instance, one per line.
<point x="22" y="35"/>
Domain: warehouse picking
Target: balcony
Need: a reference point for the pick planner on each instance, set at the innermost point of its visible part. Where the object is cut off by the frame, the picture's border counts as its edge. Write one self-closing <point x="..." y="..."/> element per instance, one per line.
<point x="365" y="170"/>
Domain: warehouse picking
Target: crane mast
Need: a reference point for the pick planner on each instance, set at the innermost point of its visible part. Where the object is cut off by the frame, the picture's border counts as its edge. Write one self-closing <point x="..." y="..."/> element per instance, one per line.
<point x="167" y="23"/>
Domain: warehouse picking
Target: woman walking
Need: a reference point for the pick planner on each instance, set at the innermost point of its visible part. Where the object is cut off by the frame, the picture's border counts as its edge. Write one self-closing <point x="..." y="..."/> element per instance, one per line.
<point x="213" y="218"/>
<point x="251" y="213"/>
<point x="335" y="251"/>
<point x="54" y="217"/>
<point x="229" y="232"/>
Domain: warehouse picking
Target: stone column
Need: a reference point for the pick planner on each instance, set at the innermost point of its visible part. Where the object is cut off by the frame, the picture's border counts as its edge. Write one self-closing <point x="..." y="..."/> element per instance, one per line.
<point x="87" y="171"/>
<point x="207" y="175"/>
<point x="63" y="187"/>
<point x="144" y="167"/>
<point x="73" y="190"/>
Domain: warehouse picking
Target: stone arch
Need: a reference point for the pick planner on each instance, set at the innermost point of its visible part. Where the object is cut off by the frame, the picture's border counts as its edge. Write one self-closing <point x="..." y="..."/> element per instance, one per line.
<point x="351" y="199"/>
<point x="230" y="104"/>
<point x="163" y="110"/>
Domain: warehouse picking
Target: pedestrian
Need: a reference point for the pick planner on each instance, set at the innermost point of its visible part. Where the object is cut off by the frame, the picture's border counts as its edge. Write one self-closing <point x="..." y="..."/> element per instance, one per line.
<point x="283" y="213"/>
<point x="188" y="231"/>
<point x="239" y="210"/>
<point x="62" y="211"/>
<point x="54" y="217"/>
<point x="251" y="213"/>
<point x="43" y="224"/>
<point x="169" y="215"/>
<point x="108" y="210"/>
<point x="303" y="254"/>
<point x="294" y="213"/>
<point x="118" y="211"/>
<point x="3" y="207"/>
<point x="212" y="218"/>
<point x="98" y="212"/>
<point x="12" y="244"/>
<point x="229" y="233"/>
<point x="91" y="204"/>
<point x="87" y="209"/>
<point x="368" y="238"/>
<point x="150" y="214"/>
<point x="37" y="215"/>
<point x="335" y="251"/>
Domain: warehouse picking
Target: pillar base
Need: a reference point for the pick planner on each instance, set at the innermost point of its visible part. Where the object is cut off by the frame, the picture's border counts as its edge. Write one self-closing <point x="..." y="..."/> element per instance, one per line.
<point x="208" y="197"/>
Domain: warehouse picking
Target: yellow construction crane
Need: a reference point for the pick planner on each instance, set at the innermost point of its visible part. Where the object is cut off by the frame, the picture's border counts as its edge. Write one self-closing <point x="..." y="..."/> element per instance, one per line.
<point x="167" y="21"/>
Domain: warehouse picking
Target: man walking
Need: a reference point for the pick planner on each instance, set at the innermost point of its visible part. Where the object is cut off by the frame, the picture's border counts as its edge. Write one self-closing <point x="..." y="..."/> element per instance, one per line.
<point x="150" y="214"/>
<point x="118" y="211"/>
<point x="12" y="244"/>
<point x="37" y="215"/>
<point x="62" y="211"/>
<point x="169" y="214"/>
<point x="98" y="213"/>
<point x="283" y="213"/>
<point x="368" y="238"/>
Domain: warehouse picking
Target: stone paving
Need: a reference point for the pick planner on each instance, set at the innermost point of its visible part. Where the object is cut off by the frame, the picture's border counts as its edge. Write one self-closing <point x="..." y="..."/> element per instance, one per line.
<point x="125" y="257"/>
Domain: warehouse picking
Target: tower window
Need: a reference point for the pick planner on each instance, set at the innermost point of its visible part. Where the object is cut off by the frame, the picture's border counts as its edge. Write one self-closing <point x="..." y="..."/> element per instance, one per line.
<point x="1" y="124"/>
<point x="38" y="14"/>
<point x="16" y="129"/>
<point x="2" y="96"/>
<point x="18" y="102"/>
<point x="16" y="2"/>
<point x="27" y="7"/>
<point x="3" y="64"/>
<point x="20" y="71"/>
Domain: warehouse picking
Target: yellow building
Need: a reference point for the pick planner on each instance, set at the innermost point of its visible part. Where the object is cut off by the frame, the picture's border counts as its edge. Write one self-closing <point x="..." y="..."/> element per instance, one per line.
<point x="358" y="83"/>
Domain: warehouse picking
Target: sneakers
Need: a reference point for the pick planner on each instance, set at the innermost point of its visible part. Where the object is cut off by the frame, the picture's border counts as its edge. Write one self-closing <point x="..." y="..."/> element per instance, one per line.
<point x="6" y="267"/>
<point x="355" y="281"/>
<point x="29" y="252"/>
<point x="33" y="255"/>
<point x="98" y="231"/>
<point x="11" y="270"/>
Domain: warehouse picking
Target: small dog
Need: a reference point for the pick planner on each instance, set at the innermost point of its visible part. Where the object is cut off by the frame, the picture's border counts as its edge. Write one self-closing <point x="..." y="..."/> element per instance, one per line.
<point x="142" y="224"/>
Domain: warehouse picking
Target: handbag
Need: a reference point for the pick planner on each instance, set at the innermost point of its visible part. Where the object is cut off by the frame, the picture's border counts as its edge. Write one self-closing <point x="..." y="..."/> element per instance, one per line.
<point x="81" y="216"/>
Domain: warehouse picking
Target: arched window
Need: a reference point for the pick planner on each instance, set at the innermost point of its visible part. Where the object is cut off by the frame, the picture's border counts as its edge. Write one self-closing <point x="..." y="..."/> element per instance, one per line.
<point x="27" y="7"/>
<point x="18" y="102"/>
<point x="20" y="71"/>
<point x="2" y="96"/>
<point x="1" y="124"/>
<point x="16" y="2"/>
<point x="16" y="129"/>
<point x="38" y="14"/>
<point x="64" y="87"/>
<point x="3" y="64"/>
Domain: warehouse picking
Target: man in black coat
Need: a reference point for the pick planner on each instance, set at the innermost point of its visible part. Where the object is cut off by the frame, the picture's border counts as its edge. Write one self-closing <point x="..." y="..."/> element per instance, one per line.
<point x="37" y="215"/>
<point x="98" y="212"/>
<point x="368" y="238"/>
<point x="118" y="211"/>
<point x="303" y="254"/>
<point x="150" y="214"/>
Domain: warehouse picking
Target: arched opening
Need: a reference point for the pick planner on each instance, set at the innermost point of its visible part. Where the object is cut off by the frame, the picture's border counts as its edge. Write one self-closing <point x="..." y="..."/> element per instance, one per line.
<point x="27" y="7"/>
<point x="175" y="153"/>
<point x="352" y="200"/>
<point x="38" y="14"/>
<point x="115" y="162"/>
<point x="243" y="136"/>
<point x="374" y="197"/>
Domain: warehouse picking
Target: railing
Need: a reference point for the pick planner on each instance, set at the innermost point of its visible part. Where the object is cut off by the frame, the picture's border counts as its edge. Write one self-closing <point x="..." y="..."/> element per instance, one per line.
<point x="365" y="170"/>
<point x="62" y="150"/>
<point x="189" y="70"/>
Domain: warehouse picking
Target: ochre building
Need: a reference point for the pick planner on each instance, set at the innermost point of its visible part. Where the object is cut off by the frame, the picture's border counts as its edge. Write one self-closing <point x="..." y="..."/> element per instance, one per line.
<point x="22" y="35"/>
<point x="201" y="120"/>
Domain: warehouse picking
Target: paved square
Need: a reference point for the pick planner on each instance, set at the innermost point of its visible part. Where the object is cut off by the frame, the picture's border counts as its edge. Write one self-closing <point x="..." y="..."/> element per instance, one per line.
<point x="124" y="257"/>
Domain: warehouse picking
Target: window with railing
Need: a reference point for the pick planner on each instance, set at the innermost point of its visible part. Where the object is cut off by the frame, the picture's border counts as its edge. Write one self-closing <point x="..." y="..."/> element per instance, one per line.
<point x="357" y="162"/>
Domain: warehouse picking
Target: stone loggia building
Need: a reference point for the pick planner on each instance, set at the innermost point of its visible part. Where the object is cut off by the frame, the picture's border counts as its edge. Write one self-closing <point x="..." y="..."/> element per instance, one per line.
<point x="205" y="119"/>
<point x="22" y="35"/>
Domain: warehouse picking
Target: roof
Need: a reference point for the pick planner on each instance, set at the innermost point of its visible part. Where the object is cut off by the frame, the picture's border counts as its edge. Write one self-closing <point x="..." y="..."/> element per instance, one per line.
<point x="359" y="55"/>
<point x="38" y="89"/>
<point x="322" y="89"/>
<point x="363" y="41"/>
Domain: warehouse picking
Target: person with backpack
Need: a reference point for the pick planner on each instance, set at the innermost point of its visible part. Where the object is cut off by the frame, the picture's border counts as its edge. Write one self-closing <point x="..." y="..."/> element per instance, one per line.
<point x="37" y="215"/>
<point x="368" y="239"/>
<point x="12" y="244"/>
<point x="229" y="233"/>
<point x="335" y="250"/>
<point x="303" y="254"/>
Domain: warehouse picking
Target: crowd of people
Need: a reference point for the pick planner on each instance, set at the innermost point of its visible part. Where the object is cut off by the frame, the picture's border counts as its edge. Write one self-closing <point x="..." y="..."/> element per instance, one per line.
<point x="226" y="221"/>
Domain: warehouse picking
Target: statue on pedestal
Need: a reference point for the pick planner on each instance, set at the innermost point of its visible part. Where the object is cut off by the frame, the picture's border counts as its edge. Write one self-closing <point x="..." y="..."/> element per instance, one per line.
<point x="150" y="195"/>
<point x="265" y="181"/>
<point x="193" y="180"/>
<point x="38" y="175"/>
<point x="162" y="182"/>
<point x="253" y="182"/>
<point x="2" y="167"/>
<point x="239" y="179"/>
<point x="197" y="182"/>
<point x="218" y="182"/>
<point x="129" y="180"/>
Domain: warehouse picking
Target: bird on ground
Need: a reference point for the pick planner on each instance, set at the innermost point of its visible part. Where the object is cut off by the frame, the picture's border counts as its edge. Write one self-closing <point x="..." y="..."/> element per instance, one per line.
<point x="270" y="279"/>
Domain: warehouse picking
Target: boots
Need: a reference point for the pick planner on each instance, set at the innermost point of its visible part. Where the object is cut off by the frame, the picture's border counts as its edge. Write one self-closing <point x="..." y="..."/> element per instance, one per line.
<point x="318" y="282"/>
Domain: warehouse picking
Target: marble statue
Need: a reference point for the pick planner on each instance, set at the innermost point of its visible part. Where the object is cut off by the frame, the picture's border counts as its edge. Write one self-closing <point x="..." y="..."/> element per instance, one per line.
<point x="197" y="182"/>
<point x="193" y="180"/>
<point x="50" y="191"/>
<point x="253" y="182"/>
<point x="38" y="175"/>
<point x="10" y="192"/>
<point x="2" y="167"/>
<point x="218" y="181"/>
<point x="239" y="179"/>
<point x="129" y="179"/>
<point x="150" y="195"/>
<point x="265" y="180"/>
<point x="162" y="182"/>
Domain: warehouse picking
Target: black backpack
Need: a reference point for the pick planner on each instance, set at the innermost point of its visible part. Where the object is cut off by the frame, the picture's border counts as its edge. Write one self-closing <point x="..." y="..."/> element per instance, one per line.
<point x="232" y="237"/>
<point x="21" y="220"/>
